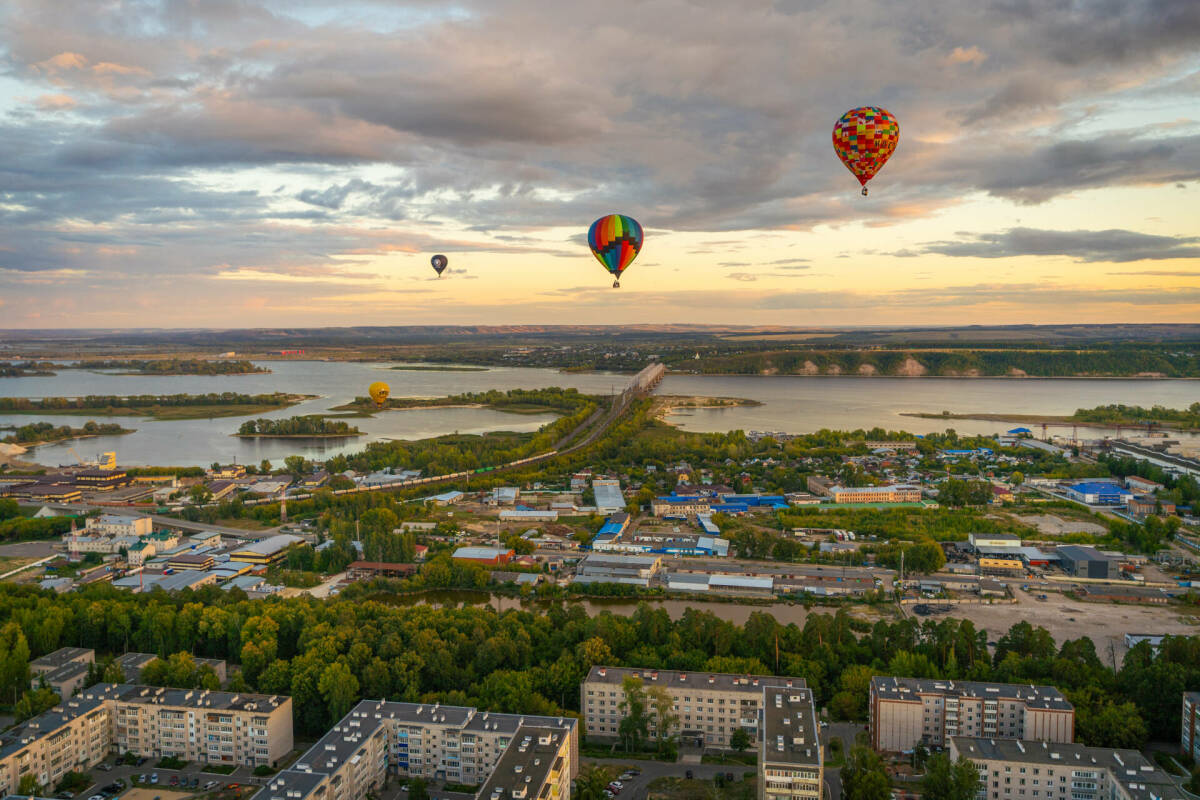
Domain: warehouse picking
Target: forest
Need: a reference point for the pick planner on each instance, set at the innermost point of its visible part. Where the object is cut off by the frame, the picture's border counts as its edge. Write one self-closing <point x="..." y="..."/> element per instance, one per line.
<point x="48" y="432"/>
<point x="160" y="405"/>
<point x="309" y="425"/>
<point x="27" y="369"/>
<point x="328" y="654"/>
<point x="1116" y="413"/>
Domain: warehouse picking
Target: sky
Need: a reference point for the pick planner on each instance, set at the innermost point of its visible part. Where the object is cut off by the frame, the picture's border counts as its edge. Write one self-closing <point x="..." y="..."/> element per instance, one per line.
<point x="253" y="163"/>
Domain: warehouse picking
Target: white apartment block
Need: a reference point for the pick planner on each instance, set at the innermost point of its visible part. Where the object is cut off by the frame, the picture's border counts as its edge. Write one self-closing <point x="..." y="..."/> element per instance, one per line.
<point x="119" y="525"/>
<point x="1012" y="769"/>
<point x="790" y="762"/>
<point x="378" y="739"/>
<point x="904" y="712"/>
<point x="709" y="706"/>
<point x="213" y="727"/>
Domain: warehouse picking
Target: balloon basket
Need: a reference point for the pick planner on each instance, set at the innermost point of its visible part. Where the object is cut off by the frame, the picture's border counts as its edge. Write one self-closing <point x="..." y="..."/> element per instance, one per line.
<point x="864" y="191"/>
<point x="616" y="284"/>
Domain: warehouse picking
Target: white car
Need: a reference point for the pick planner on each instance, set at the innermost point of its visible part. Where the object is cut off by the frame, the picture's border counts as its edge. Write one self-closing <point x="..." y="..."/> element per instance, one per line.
<point x="96" y="797"/>
<point x="210" y="785"/>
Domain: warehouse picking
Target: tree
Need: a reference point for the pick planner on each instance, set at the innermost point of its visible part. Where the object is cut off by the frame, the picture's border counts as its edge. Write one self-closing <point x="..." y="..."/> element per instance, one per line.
<point x="339" y="687"/>
<point x="665" y="717"/>
<point x="200" y="493"/>
<point x="295" y="466"/>
<point x="113" y="673"/>
<point x="417" y="789"/>
<point x="946" y="780"/>
<point x="29" y="785"/>
<point x="265" y="466"/>
<point x="739" y="740"/>
<point x="590" y="784"/>
<point x="1016" y="478"/>
<point x="635" y="724"/>
<point x="864" y="776"/>
<point x="35" y="702"/>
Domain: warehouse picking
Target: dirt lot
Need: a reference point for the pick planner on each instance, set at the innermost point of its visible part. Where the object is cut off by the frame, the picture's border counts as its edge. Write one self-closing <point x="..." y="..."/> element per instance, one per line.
<point x="27" y="549"/>
<point x="150" y="794"/>
<point x="1052" y="525"/>
<point x="1104" y="623"/>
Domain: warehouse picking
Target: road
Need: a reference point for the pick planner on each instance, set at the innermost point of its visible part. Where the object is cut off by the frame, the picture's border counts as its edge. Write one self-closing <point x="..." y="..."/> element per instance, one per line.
<point x="171" y="522"/>
<point x="638" y="787"/>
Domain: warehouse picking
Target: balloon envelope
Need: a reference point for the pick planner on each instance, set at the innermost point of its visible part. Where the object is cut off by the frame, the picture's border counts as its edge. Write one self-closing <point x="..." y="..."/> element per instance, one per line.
<point x="864" y="139"/>
<point x="615" y="240"/>
<point x="440" y="263"/>
<point x="379" y="392"/>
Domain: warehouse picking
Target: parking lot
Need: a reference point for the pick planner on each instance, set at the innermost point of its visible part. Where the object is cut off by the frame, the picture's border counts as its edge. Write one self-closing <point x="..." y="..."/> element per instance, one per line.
<point x="147" y="781"/>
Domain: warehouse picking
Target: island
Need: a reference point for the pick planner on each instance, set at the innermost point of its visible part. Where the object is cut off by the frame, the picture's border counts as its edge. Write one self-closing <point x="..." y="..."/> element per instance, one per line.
<point x="666" y="405"/>
<point x="515" y="401"/>
<point x="173" y="366"/>
<point x="303" y="427"/>
<point x="157" y="406"/>
<point x="28" y="369"/>
<point x="437" y="368"/>
<point x="44" y="432"/>
<point x="1114" y="415"/>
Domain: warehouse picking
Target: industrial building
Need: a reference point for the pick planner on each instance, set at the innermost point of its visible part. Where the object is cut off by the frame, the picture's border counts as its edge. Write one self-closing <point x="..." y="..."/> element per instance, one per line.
<point x="1001" y="566"/>
<point x="488" y="556"/>
<point x="522" y="514"/>
<point x="1099" y="494"/>
<point x="379" y="739"/>
<point x="905" y="712"/>
<point x="1023" y="769"/>
<point x="150" y="721"/>
<point x="991" y="542"/>
<point x="682" y="506"/>
<point x="875" y="494"/>
<point x="266" y="551"/>
<point x="1086" y="562"/>
<point x="790" y="761"/>
<point x="609" y="499"/>
<point x="709" y="706"/>
<point x="1189" y="734"/>
<point x="606" y="568"/>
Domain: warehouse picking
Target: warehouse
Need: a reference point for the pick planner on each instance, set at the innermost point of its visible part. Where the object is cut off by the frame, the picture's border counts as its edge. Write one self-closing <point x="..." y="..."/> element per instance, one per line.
<point x="1099" y="494"/>
<point x="1086" y="562"/>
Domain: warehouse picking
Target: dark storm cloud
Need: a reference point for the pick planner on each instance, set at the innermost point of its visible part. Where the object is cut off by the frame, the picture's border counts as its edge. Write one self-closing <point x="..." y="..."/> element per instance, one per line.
<point x="1086" y="246"/>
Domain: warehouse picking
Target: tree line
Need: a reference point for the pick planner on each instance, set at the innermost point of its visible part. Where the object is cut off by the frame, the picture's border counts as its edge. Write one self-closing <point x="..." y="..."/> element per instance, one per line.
<point x="11" y="404"/>
<point x="48" y="432"/>
<point x="308" y="425"/>
<point x="173" y="366"/>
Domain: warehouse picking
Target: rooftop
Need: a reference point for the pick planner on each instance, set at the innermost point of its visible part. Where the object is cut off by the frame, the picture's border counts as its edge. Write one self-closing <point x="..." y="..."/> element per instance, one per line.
<point x="907" y="688"/>
<point x="716" y="681"/>
<point x="61" y="656"/>
<point x="789" y="728"/>
<point x="268" y="546"/>
<point x="525" y="765"/>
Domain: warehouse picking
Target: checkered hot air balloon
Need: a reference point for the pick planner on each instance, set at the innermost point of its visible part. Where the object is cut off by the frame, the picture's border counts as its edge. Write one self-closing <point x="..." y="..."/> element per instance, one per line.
<point x="615" y="240"/>
<point x="864" y="139"/>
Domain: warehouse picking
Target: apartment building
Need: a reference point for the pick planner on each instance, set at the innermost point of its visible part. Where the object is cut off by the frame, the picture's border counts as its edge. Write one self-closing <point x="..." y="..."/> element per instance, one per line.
<point x="65" y="670"/>
<point x="904" y="712"/>
<point x="452" y="743"/>
<point x="74" y="735"/>
<point x="132" y="664"/>
<point x="1012" y="769"/>
<point x="1189" y="735"/>
<point x="213" y="727"/>
<point x="790" y="762"/>
<point x="709" y="706"/>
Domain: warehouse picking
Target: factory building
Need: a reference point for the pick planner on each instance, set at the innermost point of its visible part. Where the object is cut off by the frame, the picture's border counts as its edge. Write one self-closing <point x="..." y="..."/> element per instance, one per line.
<point x="1099" y="494"/>
<point x="1086" y="562"/>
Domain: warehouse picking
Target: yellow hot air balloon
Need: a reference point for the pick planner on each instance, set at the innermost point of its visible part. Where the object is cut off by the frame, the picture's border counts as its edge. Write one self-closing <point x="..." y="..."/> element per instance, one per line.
<point x="379" y="392"/>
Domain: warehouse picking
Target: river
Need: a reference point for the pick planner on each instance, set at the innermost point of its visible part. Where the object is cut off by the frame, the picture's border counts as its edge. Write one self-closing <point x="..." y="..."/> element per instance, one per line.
<point x="790" y="404"/>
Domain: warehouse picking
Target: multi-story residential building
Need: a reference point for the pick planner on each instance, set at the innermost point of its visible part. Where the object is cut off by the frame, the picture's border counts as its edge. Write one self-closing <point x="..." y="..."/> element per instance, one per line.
<point x="904" y="712"/>
<point x="790" y="763"/>
<point x="1189" y="735"/>
<point x="708" y="706"/>
<point x="119" y="525"/>
<point x="1012" y="769"/>
<point x="452" y="743"/>
<point x="214" y="727"/>
<point x="65" y="670"/>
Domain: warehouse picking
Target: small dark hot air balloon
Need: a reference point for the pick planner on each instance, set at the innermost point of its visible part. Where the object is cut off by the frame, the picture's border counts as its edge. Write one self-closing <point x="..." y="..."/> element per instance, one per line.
<point x="864" y="139"/>
<point x="615" y="240"/>
<point x="439" y="262"/>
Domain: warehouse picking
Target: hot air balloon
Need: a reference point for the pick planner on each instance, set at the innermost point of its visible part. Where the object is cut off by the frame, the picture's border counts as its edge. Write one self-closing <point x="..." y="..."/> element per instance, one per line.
<point x="615" y="240"/>
<point x="440" y="263"/>
<point x="379" y="392"/>
<point x="864" y="139"/>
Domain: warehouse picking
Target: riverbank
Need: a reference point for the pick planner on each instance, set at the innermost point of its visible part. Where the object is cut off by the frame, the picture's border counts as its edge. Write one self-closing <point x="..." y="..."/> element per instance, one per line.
<point x="297" y="435"/>
<point x="76" y="433"/>
<point x="437" y="368"/>
<point x="168" y="412"/>
<point x="9" y="457"/>
<point x="1050" y="419"/>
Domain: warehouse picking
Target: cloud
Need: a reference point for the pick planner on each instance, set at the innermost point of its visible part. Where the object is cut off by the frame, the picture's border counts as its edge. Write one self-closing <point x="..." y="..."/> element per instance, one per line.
<point x="1083" y="246"/>
<point x="966" y="55"/>
<point x="55" y="102"/>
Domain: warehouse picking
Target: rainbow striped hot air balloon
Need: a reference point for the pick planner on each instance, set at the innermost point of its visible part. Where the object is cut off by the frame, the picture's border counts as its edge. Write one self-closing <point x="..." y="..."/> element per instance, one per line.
<point x="615" y="240"/>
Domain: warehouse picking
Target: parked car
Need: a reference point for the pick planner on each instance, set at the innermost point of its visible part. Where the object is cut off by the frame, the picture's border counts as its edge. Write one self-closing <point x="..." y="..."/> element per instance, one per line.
<point x="153" y="777"/>
<point x="65" y="795"/>
<point x="105" y="767"/>
<point x="174" y="780"/>
<point x="210" y="785"/>
<point x="688" y="775"/>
